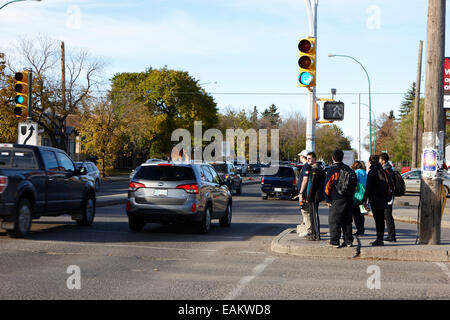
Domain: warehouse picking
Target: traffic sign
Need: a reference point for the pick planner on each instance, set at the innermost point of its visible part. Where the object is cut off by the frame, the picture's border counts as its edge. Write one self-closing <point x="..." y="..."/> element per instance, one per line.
<point x="28" y="133"/>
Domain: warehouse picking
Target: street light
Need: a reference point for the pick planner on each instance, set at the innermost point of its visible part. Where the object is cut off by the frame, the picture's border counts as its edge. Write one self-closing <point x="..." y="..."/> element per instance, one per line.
<point x="15" y="1"/>
<point x="359" y="103"/>
<point x="370" y="102"/>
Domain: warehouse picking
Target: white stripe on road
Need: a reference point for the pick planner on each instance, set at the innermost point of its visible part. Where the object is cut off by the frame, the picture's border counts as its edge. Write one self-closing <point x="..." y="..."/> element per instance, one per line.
<point x="117" y="246"/>
<point x="444" y="268"/>
<point x="236" y="292"/>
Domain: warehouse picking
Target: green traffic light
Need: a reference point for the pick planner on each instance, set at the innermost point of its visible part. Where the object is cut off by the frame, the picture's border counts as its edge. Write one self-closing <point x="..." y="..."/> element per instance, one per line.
<point x="19" y="99"/>
<point x="305" y="78"/>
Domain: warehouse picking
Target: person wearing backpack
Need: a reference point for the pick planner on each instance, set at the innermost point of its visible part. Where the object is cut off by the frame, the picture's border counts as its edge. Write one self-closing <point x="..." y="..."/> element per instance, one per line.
<point x="357" y="200"/>
<point x="340" y="185"/>
<point x="378" y="195"/>
<point x="390" y="224"/>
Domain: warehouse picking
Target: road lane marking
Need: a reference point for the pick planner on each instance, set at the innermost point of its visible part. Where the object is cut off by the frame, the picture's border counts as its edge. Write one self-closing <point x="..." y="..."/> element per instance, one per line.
<point x="444" y="268"/>
<point x="117" y="246"/>
<point x="236" y="292"/>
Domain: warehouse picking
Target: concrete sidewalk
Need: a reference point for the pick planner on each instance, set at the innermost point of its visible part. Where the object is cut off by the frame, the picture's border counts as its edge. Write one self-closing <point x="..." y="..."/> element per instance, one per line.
<point x="405" y="249"/>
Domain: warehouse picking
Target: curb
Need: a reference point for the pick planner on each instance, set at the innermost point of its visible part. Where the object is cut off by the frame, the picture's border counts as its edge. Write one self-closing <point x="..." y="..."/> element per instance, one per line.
<point x="289" y="243"/>
<point x="411" y="220"/>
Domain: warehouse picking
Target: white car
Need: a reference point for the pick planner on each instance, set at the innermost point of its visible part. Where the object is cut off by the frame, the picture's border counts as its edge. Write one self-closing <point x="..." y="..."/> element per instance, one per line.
<point x="412" y="181"/>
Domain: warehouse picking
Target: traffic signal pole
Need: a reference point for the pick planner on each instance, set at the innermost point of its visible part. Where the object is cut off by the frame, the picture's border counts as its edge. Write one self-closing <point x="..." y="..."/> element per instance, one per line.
<point x="311" y="10"/>
<point x="30" y="93"/>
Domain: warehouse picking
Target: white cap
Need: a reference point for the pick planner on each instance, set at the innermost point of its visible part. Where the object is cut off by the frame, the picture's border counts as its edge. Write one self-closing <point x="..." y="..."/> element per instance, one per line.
<point x="304" y="153"/>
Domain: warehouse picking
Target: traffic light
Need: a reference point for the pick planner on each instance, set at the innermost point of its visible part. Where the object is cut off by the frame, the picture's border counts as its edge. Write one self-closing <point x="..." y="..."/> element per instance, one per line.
<point x="307" y="62"/>
<point x="332" y="110"/>
<point x="22" y="89"/>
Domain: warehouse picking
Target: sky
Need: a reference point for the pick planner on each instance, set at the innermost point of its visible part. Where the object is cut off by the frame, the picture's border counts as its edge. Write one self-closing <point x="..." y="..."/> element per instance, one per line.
<point x="244" y="52"/>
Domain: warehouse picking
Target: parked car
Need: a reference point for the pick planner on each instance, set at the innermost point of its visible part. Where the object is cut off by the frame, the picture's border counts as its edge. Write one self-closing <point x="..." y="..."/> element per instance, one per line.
<point x="228" y="173"/>
<point x="91" y="171"/>
<point x="283" y="183"/>
<point x="40" y="181"/>
<point x="412" y="181"/>
<point x="169" y="192"/>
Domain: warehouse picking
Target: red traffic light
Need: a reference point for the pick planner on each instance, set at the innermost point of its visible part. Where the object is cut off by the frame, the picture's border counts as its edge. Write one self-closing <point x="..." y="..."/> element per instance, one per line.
<point x="305" y="62"/>
<point x="305" y="46"/>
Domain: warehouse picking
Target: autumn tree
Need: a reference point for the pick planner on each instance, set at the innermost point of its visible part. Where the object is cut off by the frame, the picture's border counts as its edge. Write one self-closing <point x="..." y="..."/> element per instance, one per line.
<point x="8" y="121"/>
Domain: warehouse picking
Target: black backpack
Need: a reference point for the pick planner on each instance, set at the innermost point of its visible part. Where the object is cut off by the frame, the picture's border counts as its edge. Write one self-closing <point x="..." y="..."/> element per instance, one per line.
<point x="399" y="184"/>
<point x="386" y="185"/>
<point x="346" y="184"/>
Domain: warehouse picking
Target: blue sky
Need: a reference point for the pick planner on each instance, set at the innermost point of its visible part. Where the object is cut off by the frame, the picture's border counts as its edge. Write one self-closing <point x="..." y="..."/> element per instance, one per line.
<point x="246" y="46"/>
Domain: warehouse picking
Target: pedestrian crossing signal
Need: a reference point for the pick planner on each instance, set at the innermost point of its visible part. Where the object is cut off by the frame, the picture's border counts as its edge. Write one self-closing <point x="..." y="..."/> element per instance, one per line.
<point x="332" y="110"/>
<point x="307" y="62"/>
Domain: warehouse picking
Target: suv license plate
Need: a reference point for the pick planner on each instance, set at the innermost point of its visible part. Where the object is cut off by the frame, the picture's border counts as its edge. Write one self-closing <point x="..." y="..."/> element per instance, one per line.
<point x="160" y="192"/>
<point x="278" y="190"/>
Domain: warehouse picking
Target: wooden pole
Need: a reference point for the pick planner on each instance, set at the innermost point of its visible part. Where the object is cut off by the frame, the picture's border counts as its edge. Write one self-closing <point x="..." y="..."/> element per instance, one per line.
<point x="431" y="186"/>
<point x="415" y="161"/>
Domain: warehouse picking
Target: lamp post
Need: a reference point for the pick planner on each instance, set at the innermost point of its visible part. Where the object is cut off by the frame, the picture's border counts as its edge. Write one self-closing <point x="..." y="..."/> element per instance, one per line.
<point x="359" y="103"/>
<point x="370" y="102"/>
<point x="15" y="1"/>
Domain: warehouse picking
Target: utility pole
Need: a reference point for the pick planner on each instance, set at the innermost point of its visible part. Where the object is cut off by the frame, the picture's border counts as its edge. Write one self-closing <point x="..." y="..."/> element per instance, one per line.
<point x="63" y="87"/>
<point x="359" y="126"/>
<point x="311" y="10"/>
<point x="433" y="136"/>
<point x="415" y="162"/>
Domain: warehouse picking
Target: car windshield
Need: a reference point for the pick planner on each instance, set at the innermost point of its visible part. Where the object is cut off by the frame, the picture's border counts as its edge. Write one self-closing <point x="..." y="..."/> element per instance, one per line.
<point x="165" y="173"/>
<point x="220" y="167"/>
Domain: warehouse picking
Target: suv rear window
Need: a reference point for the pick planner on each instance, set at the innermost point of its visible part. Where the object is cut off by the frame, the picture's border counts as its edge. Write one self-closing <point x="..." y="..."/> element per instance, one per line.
<point x="17" y="158"/>
<point x="285" y="172"/>
<point x="165" y="173"/>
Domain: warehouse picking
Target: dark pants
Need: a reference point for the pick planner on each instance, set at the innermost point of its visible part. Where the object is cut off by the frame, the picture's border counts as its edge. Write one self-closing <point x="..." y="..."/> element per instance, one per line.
<point x="390" y="225"/>
<point x="358" y="218"/>
<point x="340" y="220"/>
<point x="378" y="215"/>
<point x="315" y="221"/>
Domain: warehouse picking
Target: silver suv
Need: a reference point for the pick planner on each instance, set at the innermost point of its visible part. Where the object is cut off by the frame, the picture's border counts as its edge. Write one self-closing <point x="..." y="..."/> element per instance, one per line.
<point x="169" y="192"/>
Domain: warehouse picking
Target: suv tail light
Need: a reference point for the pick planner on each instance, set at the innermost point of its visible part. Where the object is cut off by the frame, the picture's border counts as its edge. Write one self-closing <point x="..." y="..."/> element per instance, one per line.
<point x="293" y="181"/>
<point x="189" y="188"/>
<point x="262" y="180"/>
<point x="3" y="183"/>
<point x="133" y="186"/>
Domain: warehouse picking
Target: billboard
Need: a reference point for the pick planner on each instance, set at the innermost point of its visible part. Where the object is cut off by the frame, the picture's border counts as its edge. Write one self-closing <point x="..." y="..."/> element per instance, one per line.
<point x="447" y="84"/>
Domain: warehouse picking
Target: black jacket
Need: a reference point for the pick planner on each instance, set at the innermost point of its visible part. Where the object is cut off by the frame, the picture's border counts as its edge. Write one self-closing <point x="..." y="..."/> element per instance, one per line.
<point x="316" y="184"/>
<point x="376" y="188"/>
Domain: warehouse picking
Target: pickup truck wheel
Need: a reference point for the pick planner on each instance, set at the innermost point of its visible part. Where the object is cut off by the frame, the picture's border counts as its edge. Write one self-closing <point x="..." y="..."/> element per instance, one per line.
<point x="22" y="220"/>
<point x="264" y="196"/>
<point x="87" y="212"/>
<point x="226" y="220"/>
<point x="205" y="224"/>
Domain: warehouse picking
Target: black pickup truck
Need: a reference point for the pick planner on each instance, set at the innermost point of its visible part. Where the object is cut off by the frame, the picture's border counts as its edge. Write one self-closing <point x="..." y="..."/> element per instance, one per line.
<point x="40" y="181"/>
<point x="282" y="183"/>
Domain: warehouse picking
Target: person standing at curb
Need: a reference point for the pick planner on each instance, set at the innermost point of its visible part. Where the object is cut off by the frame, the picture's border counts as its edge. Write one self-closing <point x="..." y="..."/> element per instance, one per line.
<point x="357" y="200"/>
<point x="340" y="204"/>
<point x="304" y="209"/>
<point x="313" y="186"/>
<point x="377" y="193"/>
<point x="390" y="224"/>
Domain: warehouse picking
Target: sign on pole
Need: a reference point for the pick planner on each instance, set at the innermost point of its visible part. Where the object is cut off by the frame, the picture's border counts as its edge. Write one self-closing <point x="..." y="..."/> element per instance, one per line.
<point x="447" y="84"/>
<point x="28" y="133"/>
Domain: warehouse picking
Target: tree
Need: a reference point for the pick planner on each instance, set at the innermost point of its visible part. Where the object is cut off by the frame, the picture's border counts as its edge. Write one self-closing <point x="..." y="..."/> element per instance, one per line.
<point x="408" y="101"/>
<point x="8" y="121"/>
<point x="272" y="115"/>
<point x="328" y="139"/>
<point x="83" y="75"/>
<point x="292" y="136"/>
<point x="386" y="134"/>
<point x="172" y="97"/>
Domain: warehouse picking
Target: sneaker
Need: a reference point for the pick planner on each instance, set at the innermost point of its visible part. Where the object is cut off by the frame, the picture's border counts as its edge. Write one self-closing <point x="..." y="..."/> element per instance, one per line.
<point x="311" y="237"/>
<point x="334" y="245"/>
<point x="390" y="239"/>
<point x="303" y="234"/>
<point x="346" y="245"/>
<point x="377" y="243"/>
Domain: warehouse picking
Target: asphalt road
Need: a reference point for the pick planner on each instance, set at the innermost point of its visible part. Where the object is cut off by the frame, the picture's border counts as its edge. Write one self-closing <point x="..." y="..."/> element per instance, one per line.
<point x="174" y="262"/>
